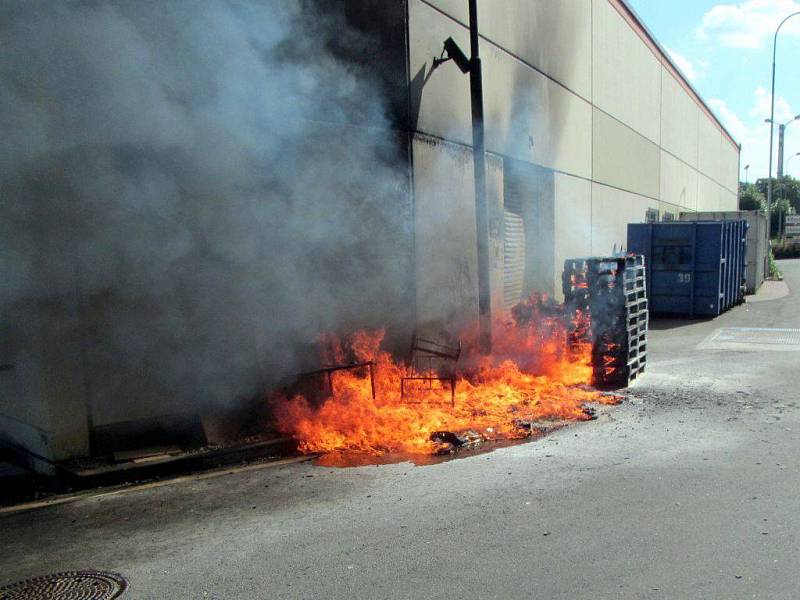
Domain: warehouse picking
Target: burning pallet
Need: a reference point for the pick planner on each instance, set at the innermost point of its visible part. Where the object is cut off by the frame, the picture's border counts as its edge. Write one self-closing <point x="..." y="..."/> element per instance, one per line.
<point x="607" y="300"/>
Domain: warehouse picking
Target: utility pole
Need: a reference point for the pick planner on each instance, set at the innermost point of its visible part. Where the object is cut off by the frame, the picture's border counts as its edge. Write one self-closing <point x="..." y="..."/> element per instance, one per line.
<point x="479" y="165"/>
<point x="473" y="67"/>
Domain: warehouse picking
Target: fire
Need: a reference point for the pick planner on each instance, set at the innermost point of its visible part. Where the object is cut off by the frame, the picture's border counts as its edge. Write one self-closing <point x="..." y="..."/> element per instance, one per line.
<point x="532" y="374"/>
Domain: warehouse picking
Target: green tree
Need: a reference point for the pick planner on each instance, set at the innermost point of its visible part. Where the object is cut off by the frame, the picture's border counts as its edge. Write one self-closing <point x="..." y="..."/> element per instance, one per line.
<point x="750" y="198"/>
<point x="786" y="187"/>
<point x="785" y="198"/>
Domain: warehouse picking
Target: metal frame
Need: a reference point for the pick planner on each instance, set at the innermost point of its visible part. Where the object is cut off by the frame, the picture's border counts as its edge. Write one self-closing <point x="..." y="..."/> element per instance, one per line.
<point x="424" y="349"/>
<point x="330" y="369"/>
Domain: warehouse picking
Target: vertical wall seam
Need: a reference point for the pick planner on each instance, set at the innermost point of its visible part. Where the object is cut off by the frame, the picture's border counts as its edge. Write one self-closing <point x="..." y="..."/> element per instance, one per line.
<point x="409" y="135"/>
<point x="699" y="173"/>
<point x="591" y="126"/>
<point x="660" y="129"/>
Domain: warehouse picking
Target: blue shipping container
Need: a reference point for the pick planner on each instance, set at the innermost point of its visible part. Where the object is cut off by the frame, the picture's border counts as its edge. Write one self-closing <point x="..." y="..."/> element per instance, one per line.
<point x="693" y="268"/>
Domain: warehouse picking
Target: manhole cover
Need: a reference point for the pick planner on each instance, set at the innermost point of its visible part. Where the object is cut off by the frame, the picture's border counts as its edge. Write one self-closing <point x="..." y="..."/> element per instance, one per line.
<point x="752" y="338"/>
<point x="74" y="585"/>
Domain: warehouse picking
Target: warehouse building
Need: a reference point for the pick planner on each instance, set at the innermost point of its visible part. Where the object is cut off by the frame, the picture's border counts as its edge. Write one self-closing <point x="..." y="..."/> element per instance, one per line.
<point x="589" y="126"/>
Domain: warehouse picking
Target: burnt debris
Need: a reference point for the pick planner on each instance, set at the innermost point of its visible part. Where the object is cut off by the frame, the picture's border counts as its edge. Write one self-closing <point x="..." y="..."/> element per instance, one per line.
<point x="450" y="441"/>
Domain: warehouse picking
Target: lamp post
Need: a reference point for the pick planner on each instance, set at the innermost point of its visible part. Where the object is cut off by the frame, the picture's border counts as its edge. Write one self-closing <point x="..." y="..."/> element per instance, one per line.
<point x="746" y="169"/>
<point x="772" y="119"/>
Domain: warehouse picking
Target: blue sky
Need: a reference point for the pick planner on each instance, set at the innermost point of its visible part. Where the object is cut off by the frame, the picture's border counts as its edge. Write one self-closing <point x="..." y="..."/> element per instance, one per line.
<point x="725" y="49"/>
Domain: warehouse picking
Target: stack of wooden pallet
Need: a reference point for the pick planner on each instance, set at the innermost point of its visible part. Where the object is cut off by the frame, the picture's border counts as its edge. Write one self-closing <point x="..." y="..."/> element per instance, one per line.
<point x="606" y="301"/>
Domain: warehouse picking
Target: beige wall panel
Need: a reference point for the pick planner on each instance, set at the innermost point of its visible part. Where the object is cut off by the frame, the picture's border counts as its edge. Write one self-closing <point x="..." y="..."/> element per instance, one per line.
<point x="573" y="223"/>
<point x="678" y="182"/>
<point x="531" y="118"/>
<point x="443" y="102"/>
<point x="458" y="9"/>
<point x="707" y="194"/>
<point x="43" y="398"/>
<point x="446" y="252"/>
<point x="612" y="210"/>
<point x="727" y="200"/>
<point x="627" y="75"/>
<point x="528" y="116"/>
<point x="555" y="37"/>
<point x="709" y="140"/>
<point x="679" y="119"/>
<point x="729" y="164"/>
<point x="623" y="158"/>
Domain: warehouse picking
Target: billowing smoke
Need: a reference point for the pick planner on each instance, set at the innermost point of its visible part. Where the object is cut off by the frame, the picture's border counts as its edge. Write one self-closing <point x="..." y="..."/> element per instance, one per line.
<point x="191" y="192"/>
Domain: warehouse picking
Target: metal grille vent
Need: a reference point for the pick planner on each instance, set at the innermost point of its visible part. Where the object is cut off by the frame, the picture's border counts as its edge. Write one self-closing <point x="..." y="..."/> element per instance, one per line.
<point x="72" y="585"/>
<point x="513" y="258"/>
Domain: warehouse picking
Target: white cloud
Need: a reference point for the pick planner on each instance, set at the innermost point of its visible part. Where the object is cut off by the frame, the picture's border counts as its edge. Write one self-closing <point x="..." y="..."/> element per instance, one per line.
<point x="729" y="118"/>
<point x="753" y="133"/>
<point x="761" y="107"/>
<point x="748" y="24"/>
<point x="692" y="70"/>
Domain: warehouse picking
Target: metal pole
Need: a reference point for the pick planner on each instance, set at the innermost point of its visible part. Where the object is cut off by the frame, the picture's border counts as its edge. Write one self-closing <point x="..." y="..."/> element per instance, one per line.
<point x="479" y="164"/>
<point x="771" y="133"/>
<point x="772" y="124"/>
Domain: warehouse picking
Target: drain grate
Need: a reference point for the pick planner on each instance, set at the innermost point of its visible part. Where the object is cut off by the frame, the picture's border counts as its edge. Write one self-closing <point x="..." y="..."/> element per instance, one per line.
<point x="752" y="338"/>
<point x="73" y="585"/>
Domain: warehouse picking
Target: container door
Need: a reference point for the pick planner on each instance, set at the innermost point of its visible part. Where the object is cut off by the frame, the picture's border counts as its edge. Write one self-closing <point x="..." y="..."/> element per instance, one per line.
<point x="727" y="265"/>
<point x="708" y="268"/>
<point x="669" y="253"/>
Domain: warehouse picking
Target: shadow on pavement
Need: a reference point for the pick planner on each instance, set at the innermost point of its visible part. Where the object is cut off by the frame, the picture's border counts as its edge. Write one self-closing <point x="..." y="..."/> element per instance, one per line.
<point x="662" y="323"/>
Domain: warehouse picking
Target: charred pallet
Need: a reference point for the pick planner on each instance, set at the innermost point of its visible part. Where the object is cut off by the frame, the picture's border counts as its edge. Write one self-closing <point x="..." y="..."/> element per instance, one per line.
<point x="606" y="299"/>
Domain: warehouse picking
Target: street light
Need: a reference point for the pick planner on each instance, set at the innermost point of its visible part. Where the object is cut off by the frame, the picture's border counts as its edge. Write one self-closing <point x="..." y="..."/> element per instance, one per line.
<point x="772" y="119"/>
<point x="746" y="169"/>
<point x="781" y="134"/>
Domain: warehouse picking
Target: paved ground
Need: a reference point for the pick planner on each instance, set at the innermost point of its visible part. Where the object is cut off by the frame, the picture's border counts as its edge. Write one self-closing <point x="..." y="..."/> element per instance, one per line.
<point x="688" y="491"/>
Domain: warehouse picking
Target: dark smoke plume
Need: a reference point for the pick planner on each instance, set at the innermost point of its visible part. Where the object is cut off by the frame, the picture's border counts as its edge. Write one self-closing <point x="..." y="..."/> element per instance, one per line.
<point x="191" y="192"/>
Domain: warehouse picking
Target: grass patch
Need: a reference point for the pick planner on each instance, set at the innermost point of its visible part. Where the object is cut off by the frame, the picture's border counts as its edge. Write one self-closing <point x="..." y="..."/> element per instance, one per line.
<point x="774" y="271"/>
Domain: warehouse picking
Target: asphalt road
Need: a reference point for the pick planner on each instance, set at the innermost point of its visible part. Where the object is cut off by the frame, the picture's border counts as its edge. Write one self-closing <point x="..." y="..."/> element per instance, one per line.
<point x="688" y="490"/>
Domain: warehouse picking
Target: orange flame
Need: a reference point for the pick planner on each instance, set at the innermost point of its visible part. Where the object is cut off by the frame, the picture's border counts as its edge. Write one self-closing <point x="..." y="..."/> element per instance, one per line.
<point x="531" y="375"/>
